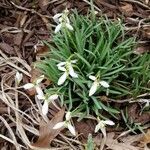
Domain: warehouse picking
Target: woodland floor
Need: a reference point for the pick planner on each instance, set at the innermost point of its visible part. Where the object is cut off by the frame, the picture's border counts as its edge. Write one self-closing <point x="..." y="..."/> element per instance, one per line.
<point x="22" y="25"/>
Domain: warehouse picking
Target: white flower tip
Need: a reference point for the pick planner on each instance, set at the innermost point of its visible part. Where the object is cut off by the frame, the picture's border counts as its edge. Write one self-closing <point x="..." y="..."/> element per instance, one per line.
<point x="58" y="27"/>
<point x="53" y="97"/>
<point x="39" y="79"/>
<point x="71" y="129"/>
<point x="104" y="84"/>
<point x="59" y="125"/>
<point x="57" y="16"/>
<point x="96" y="128"/>
<point x="74" y="61"/>
<point x="28" y="86"/>
<point x="71" y="71"/>
<point x="69" y="26"/>
<point x="68" y="115"/>
<point x="18" y="77"/>
<point x="92" y="77"/>
<point x="40" y="97"/>
<point x="93" y="89"/>
<point x="109" y="122"/>
<point x="45" y="108"/>
<point x="62" y="79"/>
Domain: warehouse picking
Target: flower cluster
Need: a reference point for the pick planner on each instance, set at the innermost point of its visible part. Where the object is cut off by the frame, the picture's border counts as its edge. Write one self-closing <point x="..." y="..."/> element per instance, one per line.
<point x="62" y="20"/>
<point x="40" y="94"/>
<point x="67" y="68"/>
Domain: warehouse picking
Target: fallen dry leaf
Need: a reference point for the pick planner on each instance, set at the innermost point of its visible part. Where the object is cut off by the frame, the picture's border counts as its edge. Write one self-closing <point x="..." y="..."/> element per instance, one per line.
<point x="43" y="4"/>
<point x="85" y="127"/>
<point x="7" y="48"/>
<point x="127" y="9"/>
<point x="123" y="144"/>
<point x="145" y="139"/>
<point x="142" y="49"/>
<point x="47" y="133"/>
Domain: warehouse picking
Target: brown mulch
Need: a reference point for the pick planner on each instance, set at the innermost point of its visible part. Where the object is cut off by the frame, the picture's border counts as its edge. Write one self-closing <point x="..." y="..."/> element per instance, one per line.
<point x="24" y="23"/>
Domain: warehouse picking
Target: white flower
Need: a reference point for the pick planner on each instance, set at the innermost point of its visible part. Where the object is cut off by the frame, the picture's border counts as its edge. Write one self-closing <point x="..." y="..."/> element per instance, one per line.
<point x="66" y="124"/>
<point x="35" y="84"/>
<point x="95" y="84"/>
<point x="18" y="77"/>
<point x="147" y="101"/>
<point x="101" y="126"/>
<point x="67" y="68"/>
<point x="62" y="20"/>
<point x="51" y="98"/>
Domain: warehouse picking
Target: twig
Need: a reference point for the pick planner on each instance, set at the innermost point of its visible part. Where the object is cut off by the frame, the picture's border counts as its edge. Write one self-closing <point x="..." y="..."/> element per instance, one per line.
<point x="137" y="2"/>
<point x="86" y="1"/>
<point x="137" y="27"/>
<point x="130" y="99"/>
<point x="30" y="10"/>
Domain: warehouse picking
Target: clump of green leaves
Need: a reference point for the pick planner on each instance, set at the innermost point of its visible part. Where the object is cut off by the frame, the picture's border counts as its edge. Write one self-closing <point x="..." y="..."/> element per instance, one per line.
<point x="102" y="49"/>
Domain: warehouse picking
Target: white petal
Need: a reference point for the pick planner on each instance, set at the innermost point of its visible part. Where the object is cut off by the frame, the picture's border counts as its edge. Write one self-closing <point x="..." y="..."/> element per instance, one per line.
<point x="73" y="61"/>
<point x="56" y="17"/>
<point x="39" y="79"/>
<point x="69" y="26"/>
<point x="92" y="77"/>
<point x="41" y="97"/>
<point x="68" y="116"/>
<point x="71" y="71"/>
<point x="147" y="104"/>
<point x="39" y="91"/>
<point x="45" y="108"/>
<point x="97" y="128"/>
<point x="58" y="27"/>
<point x="103" y="131"/>
<point x="62" y="68"/>
<point x="62" y="79"/>
<point x="28" y="86"/>
<point x="71" y="129"/>
<point x="61" y="64"/>
<point x="53" y="97"/>
<point x="59" y="125"/>
<point x="93" y="88"/>
<point x="18" y="77"/>
<point x="67" y="20"/>
<point x="109" y="122"/>
<point x="104" y="84"/>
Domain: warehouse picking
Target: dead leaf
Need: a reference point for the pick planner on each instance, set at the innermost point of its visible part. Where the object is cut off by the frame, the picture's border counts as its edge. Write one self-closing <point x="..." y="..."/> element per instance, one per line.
<point x="142" y="49"/>
<point x="43" y="4"/>
<point x="47" y="133"/>
<point x="85" y="127"/>
<point x="125" y="144"/>
<point x="127" y="9"/>
<point x="18" y="38"/>
<point x="145" y="139"/>
<point x="41" y="49"/>
<point x="7" y="48"/>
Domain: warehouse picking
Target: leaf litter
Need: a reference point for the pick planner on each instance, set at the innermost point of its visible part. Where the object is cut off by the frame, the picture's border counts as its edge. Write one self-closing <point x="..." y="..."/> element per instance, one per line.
<point x="33" y="27"/>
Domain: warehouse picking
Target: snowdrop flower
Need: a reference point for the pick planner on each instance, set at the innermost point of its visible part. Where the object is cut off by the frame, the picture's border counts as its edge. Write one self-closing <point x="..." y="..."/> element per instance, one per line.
<point x="95" y="84"/>
<point x="46" y="99"/>
<point x="67" y="68"/>
<point x="66" y="124"/>
<point x="18" y="77"/>
<point x="147" y="101"/>
<point x="62" y="20"/>
<point x="35" y="84"/>
<point x="101" y="126"/>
